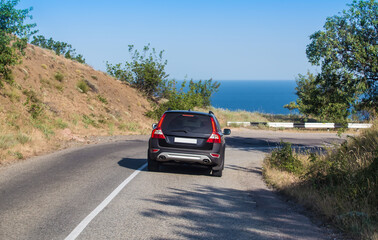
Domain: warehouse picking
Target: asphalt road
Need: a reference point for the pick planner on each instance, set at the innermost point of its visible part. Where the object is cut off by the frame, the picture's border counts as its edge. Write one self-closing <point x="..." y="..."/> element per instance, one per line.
<point x="48" y="197"/>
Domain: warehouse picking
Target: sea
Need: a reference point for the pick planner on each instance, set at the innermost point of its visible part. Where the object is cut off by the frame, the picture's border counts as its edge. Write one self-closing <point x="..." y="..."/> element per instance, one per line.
<point x="265" y="96"/>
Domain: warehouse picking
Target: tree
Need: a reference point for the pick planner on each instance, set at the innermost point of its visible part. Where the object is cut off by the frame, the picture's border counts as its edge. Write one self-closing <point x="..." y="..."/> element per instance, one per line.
<point x="145" y="71"/>
<point x="318" y="96"/>
<point x="291" y="106"/>
<point x="198" y="94"/>
<point x="204" y="89"/>
<point x="14" y="34"/>
<point x="347" y="52"/>
<point x="60" y="48"/>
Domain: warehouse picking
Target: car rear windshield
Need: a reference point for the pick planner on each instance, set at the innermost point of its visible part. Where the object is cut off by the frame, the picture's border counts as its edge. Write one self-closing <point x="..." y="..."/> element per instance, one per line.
<point x="186" y="122"/>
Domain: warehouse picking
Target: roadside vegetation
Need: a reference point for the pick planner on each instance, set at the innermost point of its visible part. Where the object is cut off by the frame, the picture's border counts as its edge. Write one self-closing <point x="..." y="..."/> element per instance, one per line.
<point x="146" y="72"/>
<point x="346" y="52"/>
<point x="339" y="185"/>
<point x="14" y="35"/>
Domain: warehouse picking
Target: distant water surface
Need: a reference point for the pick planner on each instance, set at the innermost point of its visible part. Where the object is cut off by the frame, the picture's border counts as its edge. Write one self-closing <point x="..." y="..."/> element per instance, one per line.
<point x="267" y="96"/>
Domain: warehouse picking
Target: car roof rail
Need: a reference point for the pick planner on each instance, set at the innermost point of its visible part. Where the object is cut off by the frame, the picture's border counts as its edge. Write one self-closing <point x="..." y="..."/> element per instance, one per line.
<point x="211" y="112"/>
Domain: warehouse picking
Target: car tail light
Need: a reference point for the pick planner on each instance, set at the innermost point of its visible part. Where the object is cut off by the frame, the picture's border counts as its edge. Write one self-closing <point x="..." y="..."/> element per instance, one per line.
<point x="214" y="137"/>
<point x="215" y="155"/>
<point x="155" y="150"/>
<point x="157" y="132"/>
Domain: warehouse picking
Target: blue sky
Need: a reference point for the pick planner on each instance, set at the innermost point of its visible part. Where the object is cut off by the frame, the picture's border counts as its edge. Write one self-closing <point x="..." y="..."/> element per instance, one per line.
<point x="223" y="40"/>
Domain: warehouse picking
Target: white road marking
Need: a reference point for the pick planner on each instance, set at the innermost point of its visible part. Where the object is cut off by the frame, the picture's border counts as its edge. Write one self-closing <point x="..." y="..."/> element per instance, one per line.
<point x="75" y="233"/>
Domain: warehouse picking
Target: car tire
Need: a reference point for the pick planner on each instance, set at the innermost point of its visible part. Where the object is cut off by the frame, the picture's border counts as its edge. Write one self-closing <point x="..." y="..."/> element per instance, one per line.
<point x="153" y="165"/>
<point x="217" y="173"/>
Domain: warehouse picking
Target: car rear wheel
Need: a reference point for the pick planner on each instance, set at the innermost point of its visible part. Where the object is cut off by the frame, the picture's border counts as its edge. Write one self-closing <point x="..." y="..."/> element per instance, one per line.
<point x="152" y="165"/>
<point x="217" y="173"/>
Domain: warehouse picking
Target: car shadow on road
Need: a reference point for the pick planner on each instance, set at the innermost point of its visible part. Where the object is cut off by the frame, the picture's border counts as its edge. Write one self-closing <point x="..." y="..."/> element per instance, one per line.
<point x="170" y="168"/>
<point x="207" y="212"/>
<point x="186" y="169"/>
<point x="132" y="163"/>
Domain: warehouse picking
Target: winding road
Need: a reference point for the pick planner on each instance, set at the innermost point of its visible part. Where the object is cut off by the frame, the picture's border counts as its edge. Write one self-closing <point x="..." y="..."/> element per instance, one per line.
<point x="103" y="191"/>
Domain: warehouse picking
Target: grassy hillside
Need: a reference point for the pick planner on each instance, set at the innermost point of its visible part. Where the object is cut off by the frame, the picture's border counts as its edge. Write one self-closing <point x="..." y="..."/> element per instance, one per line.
<point x="55" y="100"/>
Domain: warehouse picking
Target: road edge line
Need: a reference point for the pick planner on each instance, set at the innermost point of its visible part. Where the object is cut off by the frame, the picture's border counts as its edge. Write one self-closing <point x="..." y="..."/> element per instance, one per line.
<point x="83" y="224"/>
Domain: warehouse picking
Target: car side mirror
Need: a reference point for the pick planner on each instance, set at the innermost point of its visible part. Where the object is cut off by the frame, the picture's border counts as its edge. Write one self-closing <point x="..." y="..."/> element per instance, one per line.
<point x="227" y="131"/>
<point x="154" y="126"/>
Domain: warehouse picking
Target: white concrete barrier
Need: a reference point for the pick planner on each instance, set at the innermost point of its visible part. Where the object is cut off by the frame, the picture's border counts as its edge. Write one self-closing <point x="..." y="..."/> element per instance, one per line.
<point x="359" y="125"/>
<point x="300" y="125"/>
<point x="281" y="124"/>
<point x="319" y="125"/>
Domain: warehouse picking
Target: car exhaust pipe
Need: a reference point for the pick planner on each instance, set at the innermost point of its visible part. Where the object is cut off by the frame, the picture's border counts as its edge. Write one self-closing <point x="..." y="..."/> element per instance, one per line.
<point x="162" y="157"/>
<point x="206" y="161"/>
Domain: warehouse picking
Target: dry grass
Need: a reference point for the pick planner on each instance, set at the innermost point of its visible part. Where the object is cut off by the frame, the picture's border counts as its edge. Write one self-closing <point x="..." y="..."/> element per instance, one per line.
<point x="341" y="186"/>
<point x="43" y="110"/>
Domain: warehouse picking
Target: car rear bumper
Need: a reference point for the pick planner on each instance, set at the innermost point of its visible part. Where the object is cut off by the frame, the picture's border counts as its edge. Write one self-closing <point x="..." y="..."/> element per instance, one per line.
<point x="184" y="157"/>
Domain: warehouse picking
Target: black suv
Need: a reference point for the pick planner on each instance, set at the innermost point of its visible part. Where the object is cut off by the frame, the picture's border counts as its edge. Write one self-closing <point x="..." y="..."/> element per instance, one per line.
<point x="188" y="137"/>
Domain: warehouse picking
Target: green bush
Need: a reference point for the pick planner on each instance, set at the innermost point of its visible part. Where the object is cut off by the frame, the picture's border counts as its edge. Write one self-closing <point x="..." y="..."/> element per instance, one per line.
<point x="59" y="76"/>
<point x="14" y="35"/>
<point x="35" y="110"/>
<point x="82" y="86"/>
<point x="284" y="159"/>
<point x="60" y="48"/>
<point x="35" y="106"/>
<point x="146" y="71"/>
<point x="197" y="95"/>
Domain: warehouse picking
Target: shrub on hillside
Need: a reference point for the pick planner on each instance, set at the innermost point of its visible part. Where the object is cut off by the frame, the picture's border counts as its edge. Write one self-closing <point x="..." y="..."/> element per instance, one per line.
<point x="60" y="48"/>
<point x="13" y="37"/>
<point x="145" y="71"/>
<point x="59" y="76"/>
<point x="82" y="86"/>
<point x="34" y="104"/>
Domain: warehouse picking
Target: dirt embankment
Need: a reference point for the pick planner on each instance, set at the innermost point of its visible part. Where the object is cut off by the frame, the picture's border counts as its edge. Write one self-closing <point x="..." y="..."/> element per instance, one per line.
<point x="56" y="102"/>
